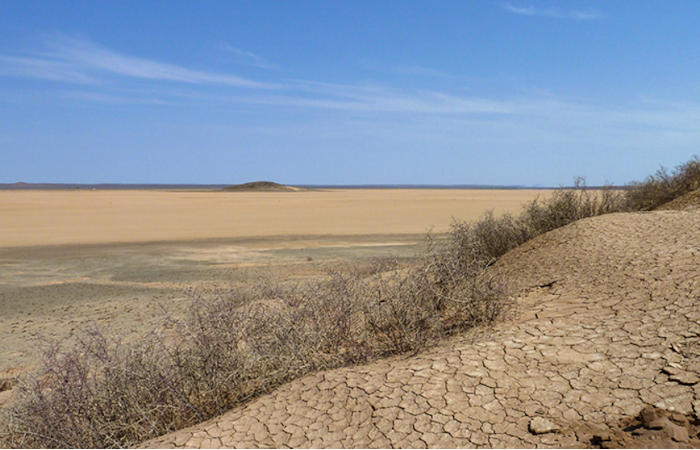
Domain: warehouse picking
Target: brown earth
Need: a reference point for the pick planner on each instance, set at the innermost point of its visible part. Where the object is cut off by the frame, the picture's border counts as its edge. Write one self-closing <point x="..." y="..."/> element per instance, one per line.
<point x="606" y="324"/>
<point x="601" y="349"/>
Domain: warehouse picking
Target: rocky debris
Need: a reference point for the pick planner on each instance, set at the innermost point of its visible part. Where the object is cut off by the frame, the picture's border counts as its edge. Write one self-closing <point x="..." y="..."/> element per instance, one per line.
<point x="657" y="421"/>
<point x="602" y="440"/>
<point x="540" y="425"/>
<point x="652" y="428"/>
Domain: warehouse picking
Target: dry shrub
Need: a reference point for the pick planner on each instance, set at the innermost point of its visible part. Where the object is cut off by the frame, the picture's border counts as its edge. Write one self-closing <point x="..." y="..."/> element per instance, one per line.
<point x="94" y="394"/>
<point x="662" y="187"/>
<point x="490" y="237"/>
<point x="232" y="347"/>
<point x="569" y="205"/>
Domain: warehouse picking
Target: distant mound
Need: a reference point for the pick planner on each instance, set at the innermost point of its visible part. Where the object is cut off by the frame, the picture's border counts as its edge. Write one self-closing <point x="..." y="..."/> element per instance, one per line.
<point x="262" y="186"/>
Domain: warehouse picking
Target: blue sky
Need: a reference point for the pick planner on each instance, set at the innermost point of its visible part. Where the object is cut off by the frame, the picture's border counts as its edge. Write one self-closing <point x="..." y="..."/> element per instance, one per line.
<point x="330" y="92"/>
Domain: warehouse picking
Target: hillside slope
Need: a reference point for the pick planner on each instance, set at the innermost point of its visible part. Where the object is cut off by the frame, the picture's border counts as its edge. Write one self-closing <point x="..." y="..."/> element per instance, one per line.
<point x="607" y="323"/>
<point x="691" y="200"/>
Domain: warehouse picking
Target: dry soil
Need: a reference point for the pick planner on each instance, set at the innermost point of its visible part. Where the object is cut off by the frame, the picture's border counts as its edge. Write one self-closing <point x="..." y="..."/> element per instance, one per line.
<point x="603" y="349"/>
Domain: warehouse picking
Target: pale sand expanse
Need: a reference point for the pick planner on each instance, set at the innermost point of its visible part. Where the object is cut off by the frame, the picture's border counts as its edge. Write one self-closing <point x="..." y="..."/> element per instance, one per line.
<point x="32" y="218"/>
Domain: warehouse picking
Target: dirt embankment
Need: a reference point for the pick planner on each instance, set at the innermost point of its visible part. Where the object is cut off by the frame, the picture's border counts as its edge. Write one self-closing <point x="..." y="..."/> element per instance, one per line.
<point x="691" y="200"/>
<point x="602" y="349"/>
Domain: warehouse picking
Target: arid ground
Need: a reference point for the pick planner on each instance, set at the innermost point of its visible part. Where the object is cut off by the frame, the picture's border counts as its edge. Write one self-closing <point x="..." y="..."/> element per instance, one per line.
<point x="605" y="323"/>
<point x="120" y="258"/>
<point x="39" y="218"/>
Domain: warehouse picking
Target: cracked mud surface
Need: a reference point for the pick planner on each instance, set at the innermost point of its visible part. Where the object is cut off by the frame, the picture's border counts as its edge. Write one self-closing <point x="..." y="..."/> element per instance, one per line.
<point x="607" y="323"/>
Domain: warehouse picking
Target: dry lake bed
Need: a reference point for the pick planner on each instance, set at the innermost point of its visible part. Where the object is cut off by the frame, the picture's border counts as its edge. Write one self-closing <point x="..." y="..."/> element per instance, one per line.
<point x="121" y="258"/>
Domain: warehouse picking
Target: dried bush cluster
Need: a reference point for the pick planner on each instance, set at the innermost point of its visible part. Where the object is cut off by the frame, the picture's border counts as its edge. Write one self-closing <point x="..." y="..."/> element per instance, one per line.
<point x="233" y="347"/>
<point x="663" y="186"/>
<point x="230" y="349"/>
<point x="490" y="237"/>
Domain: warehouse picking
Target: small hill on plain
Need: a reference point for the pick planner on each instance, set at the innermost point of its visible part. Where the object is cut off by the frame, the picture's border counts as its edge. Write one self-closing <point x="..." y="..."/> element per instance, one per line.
<point x="262" y="186"/>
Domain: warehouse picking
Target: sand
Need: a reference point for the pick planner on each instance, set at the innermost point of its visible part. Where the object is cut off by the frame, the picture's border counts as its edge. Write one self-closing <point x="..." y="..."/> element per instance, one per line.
<point x="35" y="218"/>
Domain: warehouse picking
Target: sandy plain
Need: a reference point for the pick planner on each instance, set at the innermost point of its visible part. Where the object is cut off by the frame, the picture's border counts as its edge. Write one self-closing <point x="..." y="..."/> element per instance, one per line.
<point x="35" y="218"/>
<point x="119" y="259"/>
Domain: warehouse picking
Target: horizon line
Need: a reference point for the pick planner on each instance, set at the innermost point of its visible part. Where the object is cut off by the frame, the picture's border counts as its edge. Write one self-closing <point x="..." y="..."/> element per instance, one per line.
<point x="133" y="186"/>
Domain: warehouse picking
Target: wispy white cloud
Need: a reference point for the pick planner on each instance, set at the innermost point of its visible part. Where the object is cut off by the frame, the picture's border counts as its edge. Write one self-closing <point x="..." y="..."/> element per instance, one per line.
<point x="372" y="98"/>
<point x="144" y="98"/>
<point x="384" y="103"/>
<point x="553" y="13"/>
<point x="90" y="65"/>
<point x="249" y="58"/>
<point x="422" y="71"/>
<point x="47" y="69"/>
<point x="381" y="104"/>
<point x="82" y="61"/>
<point x="78" y="60"/>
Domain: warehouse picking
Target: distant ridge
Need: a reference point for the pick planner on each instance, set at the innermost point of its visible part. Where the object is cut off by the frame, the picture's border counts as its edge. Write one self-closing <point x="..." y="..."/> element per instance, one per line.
<point x="418" y="186"/>
<point x="239" y="187"/>
<point x="263" y="186"/>
<point x="103" y="186"/>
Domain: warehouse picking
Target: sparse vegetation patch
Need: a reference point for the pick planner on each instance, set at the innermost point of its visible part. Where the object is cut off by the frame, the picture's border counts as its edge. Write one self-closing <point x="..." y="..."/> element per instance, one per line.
<point x="663" y="187"/>
<point x="262" y="186"/>
<point x="228" y="350"/>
